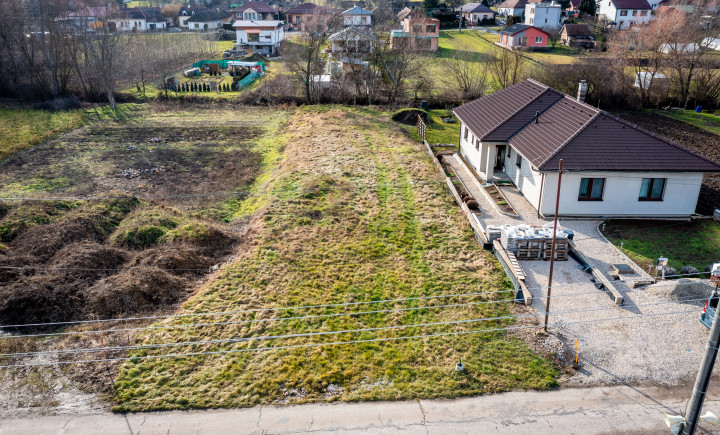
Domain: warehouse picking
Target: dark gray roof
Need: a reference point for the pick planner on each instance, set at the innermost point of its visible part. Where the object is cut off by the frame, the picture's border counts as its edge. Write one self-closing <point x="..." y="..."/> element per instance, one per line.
<point x="205" y="15"/>
<point x="578" y="30"/>
<point x="544" y="125"/>
<point x="517" y="28"/>
<point x="631" y="4"/>
<point x="476" y="7"/>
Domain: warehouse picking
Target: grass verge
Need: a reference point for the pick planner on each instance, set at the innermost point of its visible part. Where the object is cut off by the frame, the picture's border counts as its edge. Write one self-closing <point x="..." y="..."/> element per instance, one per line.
<point x="354" y="213"/>
<point x="684" y="244"/>
<point x="707" y="121"/>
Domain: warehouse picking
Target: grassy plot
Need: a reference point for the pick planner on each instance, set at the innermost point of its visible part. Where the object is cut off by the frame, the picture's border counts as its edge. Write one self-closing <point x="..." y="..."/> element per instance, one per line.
<point x="438" y="131"/>
<point x="354" y="213"/>
<point x="704" y="120"/>
<point x="20" y="129"/>
<point x="684" y="244"/>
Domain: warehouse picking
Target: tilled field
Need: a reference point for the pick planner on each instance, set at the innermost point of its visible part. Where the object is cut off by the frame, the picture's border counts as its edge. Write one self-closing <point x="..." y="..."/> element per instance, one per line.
<point x="694" y="138"/>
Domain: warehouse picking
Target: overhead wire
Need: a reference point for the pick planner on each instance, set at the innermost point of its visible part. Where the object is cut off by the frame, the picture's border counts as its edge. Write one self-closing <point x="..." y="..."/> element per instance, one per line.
<point x="309" y="345"/>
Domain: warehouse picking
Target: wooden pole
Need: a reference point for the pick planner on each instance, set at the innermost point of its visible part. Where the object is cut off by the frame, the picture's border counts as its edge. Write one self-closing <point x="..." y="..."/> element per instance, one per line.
<point x="552" y="248"/>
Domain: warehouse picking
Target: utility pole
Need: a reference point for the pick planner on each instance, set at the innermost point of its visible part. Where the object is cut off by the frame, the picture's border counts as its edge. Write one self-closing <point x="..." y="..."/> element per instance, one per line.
<point x="552" y="248"/>
<point x="703" y="377"/>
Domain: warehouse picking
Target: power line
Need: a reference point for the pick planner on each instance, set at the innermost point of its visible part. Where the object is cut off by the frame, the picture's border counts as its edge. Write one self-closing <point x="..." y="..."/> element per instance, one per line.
<point x="260" y="310"/>
<point x="312" y="334"/>
<point x="231" y="351"/>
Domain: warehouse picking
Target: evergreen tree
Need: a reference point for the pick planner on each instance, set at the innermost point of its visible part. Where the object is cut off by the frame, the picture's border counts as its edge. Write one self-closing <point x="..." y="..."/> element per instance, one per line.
<point x="587" y="7"/>
<point x="430" y="5"/>
<point x="486" y="3"/>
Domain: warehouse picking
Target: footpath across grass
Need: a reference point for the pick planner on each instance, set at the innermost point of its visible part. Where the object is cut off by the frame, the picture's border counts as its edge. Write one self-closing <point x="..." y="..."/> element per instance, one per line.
<point x="683" y="243"/>
<point x="354" y="214"/>
<point x="22" y="128"/>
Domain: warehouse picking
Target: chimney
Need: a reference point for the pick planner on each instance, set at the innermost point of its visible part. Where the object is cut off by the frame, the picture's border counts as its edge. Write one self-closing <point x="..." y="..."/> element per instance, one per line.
<point x="537" y="117"/>
<point x="582" y="89"/>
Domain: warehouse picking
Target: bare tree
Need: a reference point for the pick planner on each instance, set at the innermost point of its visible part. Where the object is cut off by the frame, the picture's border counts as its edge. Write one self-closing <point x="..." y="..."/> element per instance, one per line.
<point x="303" y="55"/>
<point x="466" y="74"/>
<point x="506" y="68"/>
<point x="642" y="52"/>
<point x="106" y="54"/>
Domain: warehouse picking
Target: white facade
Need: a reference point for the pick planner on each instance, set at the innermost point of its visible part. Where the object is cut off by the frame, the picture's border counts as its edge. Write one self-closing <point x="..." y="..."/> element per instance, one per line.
<point x="543" y="15"/>
<point x="129" y="24"/>
<point x="620" y="195"/>
<point x="624" y="18"/>
<point x="200" y="26"/>
<point x="263" y="39"/>
<point x="505" y="12"/>
<point x="357" y="20"/>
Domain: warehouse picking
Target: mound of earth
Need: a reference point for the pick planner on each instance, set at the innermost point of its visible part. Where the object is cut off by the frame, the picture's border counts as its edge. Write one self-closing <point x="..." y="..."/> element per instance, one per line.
<point x="135" y="290"/>
<point x="682" y="290"/>
<point x="41" y="298"/>
<point x="44" y="241"/>
<point x="177" y="260"/>
<point x="88" y="259"/>
<point x="409" y="116"/>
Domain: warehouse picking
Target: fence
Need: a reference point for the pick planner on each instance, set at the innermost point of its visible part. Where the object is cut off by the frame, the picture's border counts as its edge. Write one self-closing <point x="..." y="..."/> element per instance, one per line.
<point x="200" y="63"/>
<point x="421" y="129"/>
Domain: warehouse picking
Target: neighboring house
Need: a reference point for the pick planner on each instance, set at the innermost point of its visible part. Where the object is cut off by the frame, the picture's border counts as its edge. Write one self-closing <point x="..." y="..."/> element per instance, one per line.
<point x="138" y="20"/>
<point x="543" y="15"/>
<point x="611" y="167"/>
<point x="417" y="34"/>
<point x="404" y="13"/>
<point x="625" y="13"/>
<point x="475" y="13"/>
<point x="89" y="18"/>
<point x="573" y="9"/>
<point x="184" y="14"/>
<point x="299" y="16"/>
<point x="255" y="11"/>
<point x="357" y="16"/>
<point x="352" y="40"/>
<point x="657" y="81"/>
<point x="262" y="36"/>
<point x="577" y="35"/>
<point x="208" y="19"/>
<point x="512" y="8"/>
<point x="523" y="35"/>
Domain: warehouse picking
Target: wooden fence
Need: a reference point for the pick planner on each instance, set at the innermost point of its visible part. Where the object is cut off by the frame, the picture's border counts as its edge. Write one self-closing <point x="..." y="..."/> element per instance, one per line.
<point x="421" y="129"/>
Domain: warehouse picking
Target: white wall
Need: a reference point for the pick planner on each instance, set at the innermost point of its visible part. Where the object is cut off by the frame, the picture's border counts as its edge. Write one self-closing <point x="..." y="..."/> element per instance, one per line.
<point x="529" y="182"/>
<point x="620" y="197"/>
<point x="201" y="26"/>
<point x="276" y="35"/>
<point x="539" y="15"/>
<point x="357" y="20"/>
<point x="467" y="149"/>
<point x="510" y="11"/>
<point x="623" y="21"/>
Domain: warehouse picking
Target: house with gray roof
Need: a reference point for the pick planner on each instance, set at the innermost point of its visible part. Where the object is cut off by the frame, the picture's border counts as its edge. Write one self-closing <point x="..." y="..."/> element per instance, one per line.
<point x="611" y="167"/>
<point x="357" y="16"/>
<point x="625" y="13"/>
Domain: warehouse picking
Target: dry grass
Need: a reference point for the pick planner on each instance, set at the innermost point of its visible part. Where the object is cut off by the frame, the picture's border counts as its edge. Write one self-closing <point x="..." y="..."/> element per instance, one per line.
<point x="20" y="129"/>
<point x="355" y="212"/>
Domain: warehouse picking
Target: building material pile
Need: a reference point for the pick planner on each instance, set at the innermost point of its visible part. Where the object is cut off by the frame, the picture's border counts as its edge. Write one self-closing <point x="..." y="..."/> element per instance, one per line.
<point x="530" y="242"/>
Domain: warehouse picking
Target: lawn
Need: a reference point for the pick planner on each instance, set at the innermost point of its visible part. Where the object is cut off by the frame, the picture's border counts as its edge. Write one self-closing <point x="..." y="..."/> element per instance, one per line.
<point x="21" y="128"/>
<point x="353" y="213"/>
<point x="438" y="132"/>
<point x="684" y="244"/>
<point x="704" y="120"/>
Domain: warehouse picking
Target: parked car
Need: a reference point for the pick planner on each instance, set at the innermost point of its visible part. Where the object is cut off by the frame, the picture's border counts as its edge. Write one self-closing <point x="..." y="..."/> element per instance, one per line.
<point x="233" y="54"/>
<point x="174" y="30"/>
<point x="711" y="304"/>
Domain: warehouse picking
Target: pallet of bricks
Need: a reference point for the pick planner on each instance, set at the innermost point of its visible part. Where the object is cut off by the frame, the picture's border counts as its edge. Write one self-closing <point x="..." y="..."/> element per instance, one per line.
<point x="533" y="243"/>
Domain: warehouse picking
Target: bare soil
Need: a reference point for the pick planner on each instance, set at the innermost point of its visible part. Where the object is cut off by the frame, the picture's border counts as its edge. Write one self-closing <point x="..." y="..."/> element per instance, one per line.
<point x="691" y="137"/>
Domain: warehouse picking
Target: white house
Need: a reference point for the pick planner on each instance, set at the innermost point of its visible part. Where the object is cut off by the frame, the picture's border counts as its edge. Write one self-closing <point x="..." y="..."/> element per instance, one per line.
<point x="207" y="19"/>
<point x="138" y="20"/>
<point x="260" y="36"/>
<point x="543" y="15"/>
<point x="512" y="7"/>
<point x="611" y="168"/>
<point x="625" y="13"/>
<point x="352" y="40"/>
<point x="475" y="13"/>
<point x="254" y="10"/>
<point x="357" y="16"/>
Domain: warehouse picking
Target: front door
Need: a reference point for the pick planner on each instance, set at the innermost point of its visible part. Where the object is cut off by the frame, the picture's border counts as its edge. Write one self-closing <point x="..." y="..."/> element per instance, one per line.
<point x="499" y="157"/>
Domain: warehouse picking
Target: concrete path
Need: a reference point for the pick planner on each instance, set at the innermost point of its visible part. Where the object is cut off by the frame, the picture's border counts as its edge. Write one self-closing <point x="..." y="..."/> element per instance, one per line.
<point x="583" y="411"/>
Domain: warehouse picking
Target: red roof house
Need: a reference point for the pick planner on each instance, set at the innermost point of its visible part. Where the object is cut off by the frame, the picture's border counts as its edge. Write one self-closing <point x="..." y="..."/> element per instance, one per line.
<point x="523" y="35"/>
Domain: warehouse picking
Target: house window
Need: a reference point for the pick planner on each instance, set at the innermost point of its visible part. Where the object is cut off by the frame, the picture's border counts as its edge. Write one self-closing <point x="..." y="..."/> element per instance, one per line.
<point x="634" y="13"/>
<point x="509" y="151"/>
<point x="253" y="37"/>
<point x="531" y="20"/>
<point x="297" y="19"/>
<point x="197" y="25"/>
<point x="545" y="20"/>
<point x="643" y="13"/>
<point x="532" y="10"/>
<point x="417" y="28"/>
<point x="591" y="189"/>
<point x="538" y="39"/>
<point x="466" y="133"/>
<point x="518" y="161"/>
<point x="652" y="189"/>
<point x="430" y="28"/>
<point x="623" y="13"/>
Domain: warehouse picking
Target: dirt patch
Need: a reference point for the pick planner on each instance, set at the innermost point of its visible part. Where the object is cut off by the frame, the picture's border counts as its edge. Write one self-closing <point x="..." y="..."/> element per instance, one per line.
<point x="694" y="138"/>
<point x="44" y="241"/>
<point x="682" y="290"/>
<point x="178" y="260"/>
<point x="410" y="116"/>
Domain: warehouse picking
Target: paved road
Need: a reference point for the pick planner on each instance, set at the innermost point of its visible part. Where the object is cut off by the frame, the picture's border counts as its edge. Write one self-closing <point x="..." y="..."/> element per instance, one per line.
<point x="583" y="411"/>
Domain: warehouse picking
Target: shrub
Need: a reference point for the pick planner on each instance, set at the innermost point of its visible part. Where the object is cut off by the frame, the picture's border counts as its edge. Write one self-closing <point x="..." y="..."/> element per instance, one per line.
<point x="473" y="205"/>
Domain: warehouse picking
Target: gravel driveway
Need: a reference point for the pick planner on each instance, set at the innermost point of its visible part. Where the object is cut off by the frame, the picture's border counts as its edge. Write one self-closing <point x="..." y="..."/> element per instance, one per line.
<point x="649" y="339"/>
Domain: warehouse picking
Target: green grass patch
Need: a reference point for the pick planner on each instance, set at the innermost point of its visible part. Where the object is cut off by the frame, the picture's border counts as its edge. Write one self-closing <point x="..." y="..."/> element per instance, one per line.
<point x="22" y="128"/>
<point x="684" y="244"/>
<point x="707" y="121"/>
<point x="354" y="213"/>
<point x="437" y="130"/>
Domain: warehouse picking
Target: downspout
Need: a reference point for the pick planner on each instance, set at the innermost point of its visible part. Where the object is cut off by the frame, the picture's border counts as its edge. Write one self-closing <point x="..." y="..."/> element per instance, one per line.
<point x="542" y="190"/>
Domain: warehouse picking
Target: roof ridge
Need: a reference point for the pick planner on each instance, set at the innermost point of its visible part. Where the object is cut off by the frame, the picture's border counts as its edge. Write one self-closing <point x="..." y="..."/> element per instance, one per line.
<point x="521" y="108"/>
<point x="571" y="138"/>
<point x="657" y="136"/>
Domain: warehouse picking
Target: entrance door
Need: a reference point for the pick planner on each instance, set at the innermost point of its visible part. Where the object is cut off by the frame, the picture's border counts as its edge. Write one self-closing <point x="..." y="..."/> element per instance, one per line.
<point x="499" y="157"/>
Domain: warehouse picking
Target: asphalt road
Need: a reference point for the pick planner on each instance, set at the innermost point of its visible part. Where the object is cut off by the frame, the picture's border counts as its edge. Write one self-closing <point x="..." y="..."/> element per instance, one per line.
<point x="586" y="411"/>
